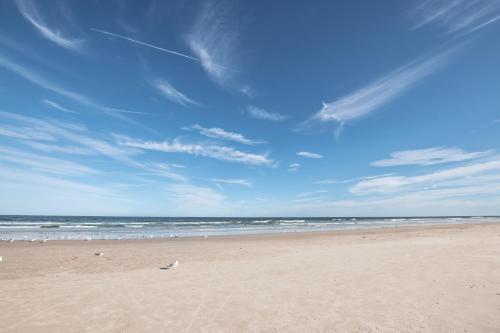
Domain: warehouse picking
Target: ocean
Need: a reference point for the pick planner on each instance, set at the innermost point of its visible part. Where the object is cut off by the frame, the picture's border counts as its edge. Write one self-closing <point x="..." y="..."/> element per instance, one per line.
<point x="36" y="228"/>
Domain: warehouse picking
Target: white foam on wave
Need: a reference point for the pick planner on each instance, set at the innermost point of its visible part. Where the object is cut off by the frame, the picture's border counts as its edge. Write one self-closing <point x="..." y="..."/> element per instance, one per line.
<point x="78" y="226"/>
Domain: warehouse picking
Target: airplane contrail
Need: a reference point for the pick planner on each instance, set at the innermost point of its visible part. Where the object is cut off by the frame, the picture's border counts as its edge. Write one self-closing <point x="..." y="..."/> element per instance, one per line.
<point x="142" y="43"/>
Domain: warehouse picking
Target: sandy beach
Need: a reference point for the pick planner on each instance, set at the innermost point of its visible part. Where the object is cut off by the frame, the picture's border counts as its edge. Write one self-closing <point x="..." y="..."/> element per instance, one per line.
<point x="409" y="279"/>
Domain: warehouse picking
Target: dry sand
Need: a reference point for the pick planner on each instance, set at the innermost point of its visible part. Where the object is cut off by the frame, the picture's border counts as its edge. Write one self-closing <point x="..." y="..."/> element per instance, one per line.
<point x="428" y="279"/>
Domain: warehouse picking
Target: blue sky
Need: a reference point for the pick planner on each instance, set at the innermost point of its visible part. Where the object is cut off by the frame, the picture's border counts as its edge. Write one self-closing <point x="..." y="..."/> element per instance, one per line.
<point x="185" y="108"/>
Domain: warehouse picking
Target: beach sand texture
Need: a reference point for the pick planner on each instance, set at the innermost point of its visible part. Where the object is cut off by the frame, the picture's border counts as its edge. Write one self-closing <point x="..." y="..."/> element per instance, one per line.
<point x="410" y="279"/>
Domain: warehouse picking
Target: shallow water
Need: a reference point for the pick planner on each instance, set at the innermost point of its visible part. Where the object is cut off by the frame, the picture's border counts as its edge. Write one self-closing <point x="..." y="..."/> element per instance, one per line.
<point x="105" y="227"/>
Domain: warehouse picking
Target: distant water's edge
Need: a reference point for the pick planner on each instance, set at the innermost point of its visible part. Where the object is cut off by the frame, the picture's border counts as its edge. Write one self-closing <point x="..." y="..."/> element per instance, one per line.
<point x="31" y="228"/>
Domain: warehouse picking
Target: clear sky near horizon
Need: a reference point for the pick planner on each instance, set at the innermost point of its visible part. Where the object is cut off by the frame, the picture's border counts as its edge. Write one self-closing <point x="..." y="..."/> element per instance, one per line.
<point x="255" y="108"/>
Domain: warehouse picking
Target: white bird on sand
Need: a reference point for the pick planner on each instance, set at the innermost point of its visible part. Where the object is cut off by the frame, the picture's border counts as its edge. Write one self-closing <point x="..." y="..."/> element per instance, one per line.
<point x="99" y="254"/>
<point x="171" y="265"/>
<point x="1" y="258"/>
<point x="11" y="240"/>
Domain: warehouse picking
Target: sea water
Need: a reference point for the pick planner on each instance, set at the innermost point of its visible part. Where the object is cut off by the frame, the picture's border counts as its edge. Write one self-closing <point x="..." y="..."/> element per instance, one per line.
<point x="106" y="227"/>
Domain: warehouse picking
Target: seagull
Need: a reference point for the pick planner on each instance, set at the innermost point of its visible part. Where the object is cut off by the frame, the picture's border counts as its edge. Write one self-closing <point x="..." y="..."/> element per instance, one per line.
<point x="1" y="258"/>
<point x="99" y="254"/>
<point x="11" y="240"/>
<point x="172" y="265"/>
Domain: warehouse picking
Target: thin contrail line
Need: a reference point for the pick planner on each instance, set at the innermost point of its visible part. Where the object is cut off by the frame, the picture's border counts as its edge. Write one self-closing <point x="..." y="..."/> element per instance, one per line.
<point x="142" y="43"/>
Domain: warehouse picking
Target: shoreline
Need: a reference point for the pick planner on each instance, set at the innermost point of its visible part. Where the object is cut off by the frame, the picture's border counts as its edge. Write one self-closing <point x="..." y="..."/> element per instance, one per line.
<point x="42" y="235"/>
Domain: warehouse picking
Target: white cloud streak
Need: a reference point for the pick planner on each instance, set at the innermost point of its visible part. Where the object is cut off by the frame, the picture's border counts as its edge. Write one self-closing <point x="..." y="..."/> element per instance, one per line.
<point x="172" y="94"/>
<point x="457" y="17"/>
<point x="392" y="184"/>
<point x="307" y="194"/>
<point x="262" y="114"/>
<point x="309" y="154"/>
<point x="187" y="196"/>
<point x="35" y="78"/>
<point x="219" y="133"/>
<point x="25" y="133"/>
<point x="164" y="170"/>
<point x="214" y="40"/>
<point x="380" y="92"/>
<point x="85" y="144"/>
<point x="351" y="180"/>
<point x="293" y="167"/>
<point x="31" y="13"/>
<point x="124" y="111"/>
<point x="240" y="182"/>
<point x="58" y="148"/>
<point x="429" y="156"/>
<point x="43" y="163"/>
<point x="58" y="106"/>
<point x="222" y="153"/>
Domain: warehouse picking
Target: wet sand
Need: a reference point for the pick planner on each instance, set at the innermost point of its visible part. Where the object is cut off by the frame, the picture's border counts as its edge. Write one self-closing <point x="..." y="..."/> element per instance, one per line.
<point x="408" y="279"/>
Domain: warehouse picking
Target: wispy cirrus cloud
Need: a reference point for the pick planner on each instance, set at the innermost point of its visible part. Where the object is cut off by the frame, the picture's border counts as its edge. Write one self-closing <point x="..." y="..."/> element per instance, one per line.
<point x="39" y="80"/>
<point x="217" y="152"/>
<point x="49" y="183"/>
<point x="165" y="170"/>
<point x="468" y="200"/>
<point x="43" y="163"/>
<point x="311" y="193"/>
<point x="382" y="91"/>
<point x="25" y="133"/>
<point x="57" y="106"/>
<point x="240" y="182"/>
<point x="124" y="111"/>
<point x="248" y="91"/>
<point x="309" y="154"/>
<point x="451" y="176"/>
<point x="429" y="156"/>
<point x="219" y="133"/>
<point x="60" y="133"/>
<point x="214" y="39"/>
<point x="67" y="131"/>
<point x="351" y="180"/>
<point x="262" y="114"/>
<point x="293" y="167"/>
<point x="458" y="17"/>
<point x="31" y="13"/>
<point x="210" y="40"/>
<point x="187" y="196"/>
<point x="58" y="148"/>
<point x="172" y="94"/>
